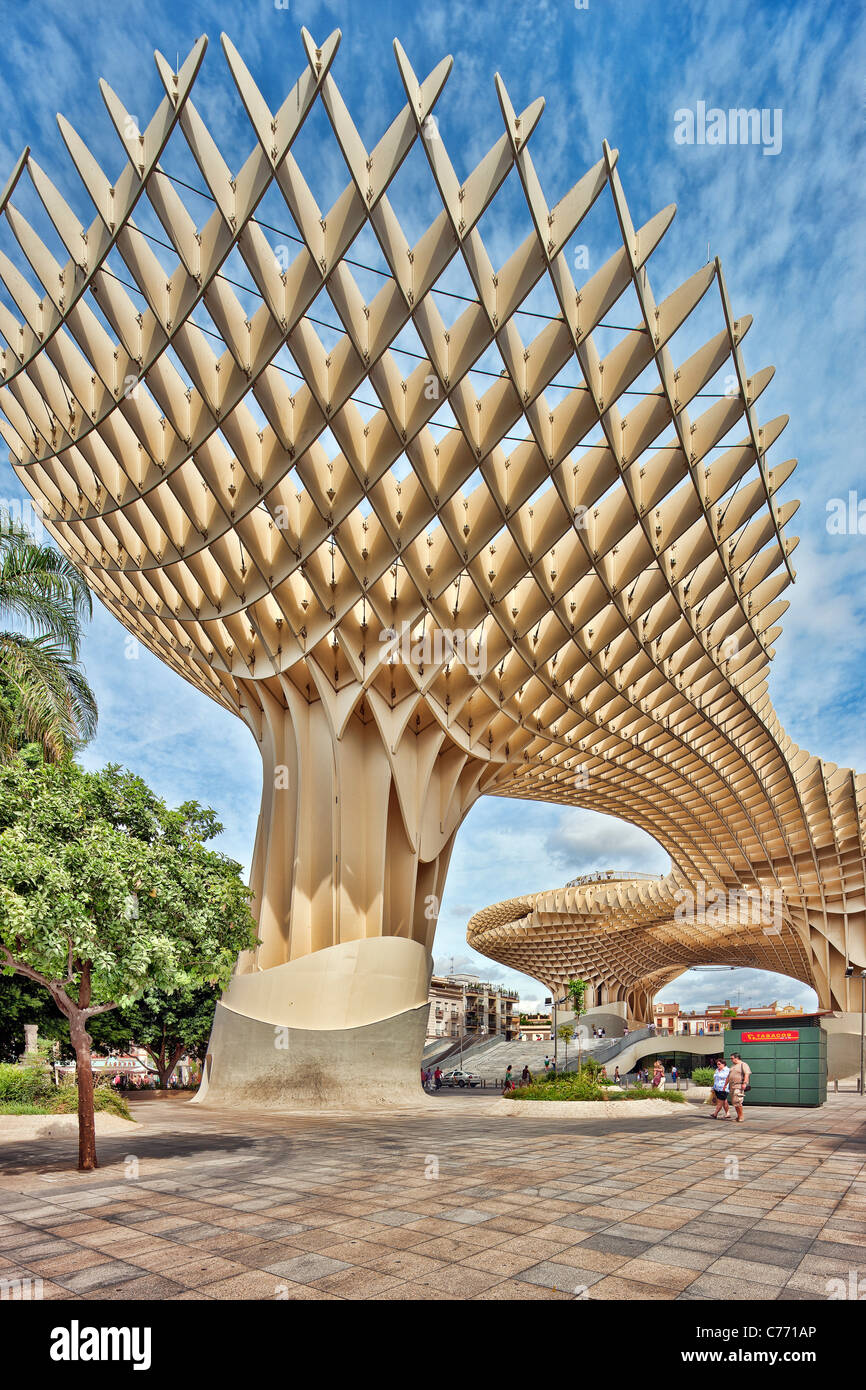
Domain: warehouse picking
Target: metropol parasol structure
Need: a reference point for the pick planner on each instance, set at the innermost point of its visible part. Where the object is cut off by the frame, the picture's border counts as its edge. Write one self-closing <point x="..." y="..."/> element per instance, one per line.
<point x="417" y="580"/>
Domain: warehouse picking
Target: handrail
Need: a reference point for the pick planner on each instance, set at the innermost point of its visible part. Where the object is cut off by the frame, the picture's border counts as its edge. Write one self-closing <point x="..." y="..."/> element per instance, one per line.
<point x="611" y="876"/>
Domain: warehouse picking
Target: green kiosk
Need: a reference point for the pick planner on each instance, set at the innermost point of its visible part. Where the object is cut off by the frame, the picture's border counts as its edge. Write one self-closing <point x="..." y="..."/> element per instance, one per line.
<point x="788" y="1058"/>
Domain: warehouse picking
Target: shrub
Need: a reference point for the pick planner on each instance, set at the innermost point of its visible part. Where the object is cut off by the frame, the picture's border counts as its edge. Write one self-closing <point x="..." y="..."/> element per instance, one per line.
<point x="703" y="1076"/>
<point x="570" y="1086"/>
<point x="105" y="1098"/>
<point x="29" y="1083"/>
<point x="649" y="1093"/>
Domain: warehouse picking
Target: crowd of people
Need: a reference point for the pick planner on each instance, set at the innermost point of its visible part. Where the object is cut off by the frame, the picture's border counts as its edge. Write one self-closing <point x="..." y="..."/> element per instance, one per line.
<point x="730" y="1082"/>
<point x="138" y="1081"/>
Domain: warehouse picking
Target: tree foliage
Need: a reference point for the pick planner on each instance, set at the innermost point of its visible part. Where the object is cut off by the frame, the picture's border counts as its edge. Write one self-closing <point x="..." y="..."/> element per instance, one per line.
<point x="106" y="893"/>
<point x="44" y="694"/>
<point x="167" y="1025"/>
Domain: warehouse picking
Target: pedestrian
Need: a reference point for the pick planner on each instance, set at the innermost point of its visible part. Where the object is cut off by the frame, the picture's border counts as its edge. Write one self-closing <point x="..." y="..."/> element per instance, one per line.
<point x="674" y="1074"/>
<point x="509" y="1080"/>
<point x="437" y="1077"/>
<point x="617" y="1079"/>
<point x="658" y="1080"/>
<point x="720" y="1088"/>
<point x="738" y="1083"/>
<point x="546" y="1064"/>
<point x="526" y="1077"/>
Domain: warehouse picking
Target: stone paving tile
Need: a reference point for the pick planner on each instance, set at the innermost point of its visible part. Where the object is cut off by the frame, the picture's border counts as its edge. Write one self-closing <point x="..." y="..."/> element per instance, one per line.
<point x="616" y="1245"/>
<point x="614" y="1287"/>
<point x="395" y="1217"/>
<point x="836" y="1250"/>
<point x="579" y="1222"/>
<point x="357" y="1283"/>
<point x="460" y="1280"/>
<point x="718" y="1286"/>
<point x="358" y="1252"/>
<point x="98" y="1276"/>
<point x="662" y="1276"/>
<point x="496" y="1261"/>
<point x="466" y="1216"/>
<point x="572" y="1279"/>
<point x="421" y="1293"/>
<point x="254" y="1284"/>
<point x="678" y="1257"/>
<point x="204" y="1271"/>
<point x="408" y="1265"/>
<point x="705" y="1244"/>
<point x="66" y="1264"/>
<point x="764" y="1254"/>
<point x="511" y="1290"/>
<point x="152" y="1287"/>
<point x="303" y="1269"/>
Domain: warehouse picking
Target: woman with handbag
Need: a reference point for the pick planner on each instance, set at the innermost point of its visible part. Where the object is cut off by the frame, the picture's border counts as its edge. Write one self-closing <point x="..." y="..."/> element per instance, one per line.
<point x="658" y="1081"/>
<point x="720" y="1088"/>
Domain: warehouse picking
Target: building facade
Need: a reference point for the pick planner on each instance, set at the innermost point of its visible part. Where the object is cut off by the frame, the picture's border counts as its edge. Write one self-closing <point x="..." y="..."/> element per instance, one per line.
<point x="463" y="1005"/>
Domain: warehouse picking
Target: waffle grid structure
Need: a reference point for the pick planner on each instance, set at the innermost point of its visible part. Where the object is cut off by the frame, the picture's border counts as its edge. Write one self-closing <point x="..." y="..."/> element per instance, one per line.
<point x="614" y="565"/>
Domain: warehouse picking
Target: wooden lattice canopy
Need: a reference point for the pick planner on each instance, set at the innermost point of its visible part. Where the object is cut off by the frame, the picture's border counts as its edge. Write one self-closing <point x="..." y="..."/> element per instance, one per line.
<point x="259" y="508"/>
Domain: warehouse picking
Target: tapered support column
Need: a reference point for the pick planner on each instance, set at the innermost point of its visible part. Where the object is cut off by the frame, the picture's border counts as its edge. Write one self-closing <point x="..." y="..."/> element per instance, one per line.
<point x="358" y="819"/>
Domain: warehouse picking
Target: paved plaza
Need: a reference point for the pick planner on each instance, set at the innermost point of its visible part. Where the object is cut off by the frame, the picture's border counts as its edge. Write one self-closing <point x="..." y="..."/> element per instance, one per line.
<point x="447" y="1201"/>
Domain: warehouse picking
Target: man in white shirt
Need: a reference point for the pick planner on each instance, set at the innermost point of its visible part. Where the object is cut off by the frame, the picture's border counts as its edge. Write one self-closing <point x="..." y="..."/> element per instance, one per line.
<point x="738" y="1080"/>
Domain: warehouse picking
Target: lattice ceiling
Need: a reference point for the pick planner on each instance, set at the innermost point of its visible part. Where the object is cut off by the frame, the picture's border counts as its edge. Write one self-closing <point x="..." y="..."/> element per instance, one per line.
<point x="263" y="475"/>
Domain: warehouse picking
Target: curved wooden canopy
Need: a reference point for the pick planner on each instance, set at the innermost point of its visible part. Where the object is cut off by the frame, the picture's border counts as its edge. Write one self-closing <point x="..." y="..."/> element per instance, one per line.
<point x="261" y="501"/>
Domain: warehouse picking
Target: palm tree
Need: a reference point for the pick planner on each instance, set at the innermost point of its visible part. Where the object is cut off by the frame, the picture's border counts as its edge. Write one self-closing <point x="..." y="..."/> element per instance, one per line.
<point x="44" y="694"/>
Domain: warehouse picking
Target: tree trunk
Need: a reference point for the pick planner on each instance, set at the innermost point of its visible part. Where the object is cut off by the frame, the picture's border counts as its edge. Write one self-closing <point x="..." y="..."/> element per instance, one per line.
<point x="84" y="1076"/>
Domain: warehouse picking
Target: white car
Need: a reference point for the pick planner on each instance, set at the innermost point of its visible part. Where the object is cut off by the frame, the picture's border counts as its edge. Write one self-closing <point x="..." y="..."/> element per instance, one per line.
<point x="461" y="1078"/>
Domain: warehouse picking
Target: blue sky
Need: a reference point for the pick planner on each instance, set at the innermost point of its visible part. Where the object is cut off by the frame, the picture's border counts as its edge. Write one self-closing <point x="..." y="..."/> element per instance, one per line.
<point x="789" y="229"/>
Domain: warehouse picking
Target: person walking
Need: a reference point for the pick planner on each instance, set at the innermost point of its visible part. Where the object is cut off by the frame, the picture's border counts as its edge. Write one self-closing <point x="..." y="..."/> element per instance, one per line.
<point x="509" y="1080"/>
<point x="738" y="1083"/>
<point x="547" y="1064"/>
<point x="658" y="1081"/>
<point x="437" y="1077"/>
<point x="720" y="1088"/>
<point x="674" y="1075"/>
<point x="526" y="1077"/>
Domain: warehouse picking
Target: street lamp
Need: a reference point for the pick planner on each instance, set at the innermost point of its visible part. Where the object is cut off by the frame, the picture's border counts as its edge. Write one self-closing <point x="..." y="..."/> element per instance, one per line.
<point x="848" y="974"/>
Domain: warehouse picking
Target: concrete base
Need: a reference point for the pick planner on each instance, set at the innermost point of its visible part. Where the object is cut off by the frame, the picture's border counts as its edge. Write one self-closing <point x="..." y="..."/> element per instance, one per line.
<point x="323" y="1031"/>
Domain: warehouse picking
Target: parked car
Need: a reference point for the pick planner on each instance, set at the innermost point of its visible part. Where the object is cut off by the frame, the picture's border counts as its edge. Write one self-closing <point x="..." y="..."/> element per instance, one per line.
<point x="461" y="1078"/>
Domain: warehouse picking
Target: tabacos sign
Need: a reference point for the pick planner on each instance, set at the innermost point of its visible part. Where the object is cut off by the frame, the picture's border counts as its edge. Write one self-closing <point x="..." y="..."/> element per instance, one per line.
<point x="776" y="1035"/>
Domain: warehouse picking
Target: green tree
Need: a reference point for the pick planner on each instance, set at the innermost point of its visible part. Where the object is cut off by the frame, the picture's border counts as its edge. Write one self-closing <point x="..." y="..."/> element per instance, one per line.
<point x="106" y="893"/>
<point x="166" y="1025"/>
<point x="576" y="991"/>
<point x="44" y="694"/>
<point x="565" y="1033"/>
